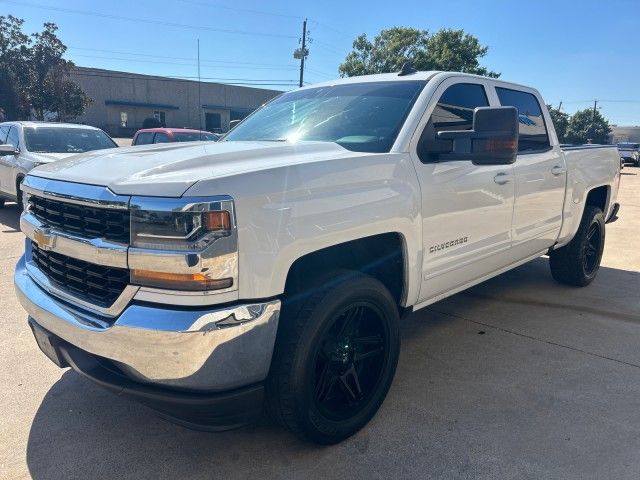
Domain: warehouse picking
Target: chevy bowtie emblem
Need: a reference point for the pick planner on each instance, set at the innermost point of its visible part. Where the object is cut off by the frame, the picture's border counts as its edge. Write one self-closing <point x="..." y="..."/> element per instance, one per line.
<point x="44" y="238"/>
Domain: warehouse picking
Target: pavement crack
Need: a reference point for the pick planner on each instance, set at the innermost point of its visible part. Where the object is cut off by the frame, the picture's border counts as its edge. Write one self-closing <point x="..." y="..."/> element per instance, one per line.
<point x="541" y="340"/>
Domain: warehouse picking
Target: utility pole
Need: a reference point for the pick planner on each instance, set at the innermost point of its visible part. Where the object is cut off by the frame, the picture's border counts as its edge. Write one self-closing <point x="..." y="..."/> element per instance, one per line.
<point x="593" y="119"/>
<point x="302" y="52"/>
<point x="199" y="95"/>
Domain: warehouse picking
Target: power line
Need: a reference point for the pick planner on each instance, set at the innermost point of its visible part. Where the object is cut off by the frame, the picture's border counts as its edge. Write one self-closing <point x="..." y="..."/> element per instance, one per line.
<point x="238" y="81"/>
<point x="192" y="63"/>
<point x="243" y="10"/>
<point x="233" y="62"/>
<point x="145" y="20"/>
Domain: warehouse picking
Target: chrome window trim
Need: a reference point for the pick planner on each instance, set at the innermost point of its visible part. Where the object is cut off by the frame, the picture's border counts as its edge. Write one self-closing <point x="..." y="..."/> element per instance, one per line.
<point x="76" y="193"/>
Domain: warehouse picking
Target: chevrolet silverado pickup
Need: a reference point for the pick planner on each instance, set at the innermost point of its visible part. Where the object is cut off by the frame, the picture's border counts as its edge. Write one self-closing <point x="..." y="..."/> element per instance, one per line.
<point x="270" y="269"/>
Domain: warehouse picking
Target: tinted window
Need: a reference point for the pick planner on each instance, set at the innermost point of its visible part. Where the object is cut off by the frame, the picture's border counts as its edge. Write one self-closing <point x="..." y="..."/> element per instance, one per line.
<point x="629" y="146"/>
<point x="454" y="111"/>
<point x="144" y="138"/>
<point x="193" y="136"/>
<point x="3" y="134"/>
<point x="532" y="131"/>
<point x="14" y="137"/>
<point x="365" y="117"/>
<point x="161" y="138"/>
<point x="65" y="140"/>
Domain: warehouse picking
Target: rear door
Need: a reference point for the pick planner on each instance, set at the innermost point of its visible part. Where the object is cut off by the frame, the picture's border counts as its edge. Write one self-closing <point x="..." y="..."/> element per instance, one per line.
<point x="467" y="208"/>
<point x="540" y="176"/>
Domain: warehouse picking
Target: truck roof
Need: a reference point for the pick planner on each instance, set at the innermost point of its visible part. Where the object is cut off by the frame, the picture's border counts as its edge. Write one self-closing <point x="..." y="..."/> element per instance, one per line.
<point x="396" y="77"/>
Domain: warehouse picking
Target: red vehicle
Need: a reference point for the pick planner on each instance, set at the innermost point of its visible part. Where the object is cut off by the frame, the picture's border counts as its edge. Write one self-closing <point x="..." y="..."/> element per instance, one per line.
<point x="147" y="136"/>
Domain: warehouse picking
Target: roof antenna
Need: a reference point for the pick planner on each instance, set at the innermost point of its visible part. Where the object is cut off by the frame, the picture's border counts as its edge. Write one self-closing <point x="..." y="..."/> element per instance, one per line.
<point x="407" y="69"/>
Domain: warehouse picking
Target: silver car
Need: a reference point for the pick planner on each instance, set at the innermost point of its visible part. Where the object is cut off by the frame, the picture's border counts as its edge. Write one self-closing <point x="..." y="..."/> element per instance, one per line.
<point x="25" y="145"/>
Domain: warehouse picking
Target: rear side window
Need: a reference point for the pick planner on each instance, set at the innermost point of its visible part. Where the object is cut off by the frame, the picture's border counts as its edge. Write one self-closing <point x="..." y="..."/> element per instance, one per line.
<point x="454" y="111"/>
<point x="532" y="129"/>
<point x="144" y="138"/>
<point x="161" y="138"/>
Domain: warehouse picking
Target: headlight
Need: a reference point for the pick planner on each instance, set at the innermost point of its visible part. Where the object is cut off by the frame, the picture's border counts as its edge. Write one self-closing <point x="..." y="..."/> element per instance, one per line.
<point x="183" y="244"/>
<point x="190" y="226"/>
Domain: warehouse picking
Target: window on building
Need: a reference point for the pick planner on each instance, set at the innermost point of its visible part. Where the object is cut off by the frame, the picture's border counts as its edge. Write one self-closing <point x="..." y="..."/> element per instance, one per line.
<point x="161" y="116"/>
<point x="124" y="119"/>
<point x="454" y="111"/>
<point x="213" y="122"/>
<point x="533" y="134"/>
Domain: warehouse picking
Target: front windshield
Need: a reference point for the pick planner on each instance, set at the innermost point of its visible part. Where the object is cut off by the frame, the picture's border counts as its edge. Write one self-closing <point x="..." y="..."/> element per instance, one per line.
<point x="364" y="117"/>
<point x="65" y="140"/>
<point x="629" y="146"/>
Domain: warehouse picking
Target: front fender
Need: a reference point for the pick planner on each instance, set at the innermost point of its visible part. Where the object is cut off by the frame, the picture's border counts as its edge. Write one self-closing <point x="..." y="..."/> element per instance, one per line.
<point x="290" y="211"/>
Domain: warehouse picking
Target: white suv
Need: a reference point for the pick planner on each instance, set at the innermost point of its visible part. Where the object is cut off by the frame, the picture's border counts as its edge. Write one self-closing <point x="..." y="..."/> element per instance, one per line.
<point x="25" y="145"/>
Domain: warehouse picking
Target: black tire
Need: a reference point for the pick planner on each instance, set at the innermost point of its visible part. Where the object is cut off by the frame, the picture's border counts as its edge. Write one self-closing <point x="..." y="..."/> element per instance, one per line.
<point x="333" y="366"/>
<point x="2" y="202"/>
<point x="578" y="262"/>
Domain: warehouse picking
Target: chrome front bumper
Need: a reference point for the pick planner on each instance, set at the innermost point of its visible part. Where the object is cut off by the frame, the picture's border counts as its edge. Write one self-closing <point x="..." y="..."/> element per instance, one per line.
<point x="206" y="349"/>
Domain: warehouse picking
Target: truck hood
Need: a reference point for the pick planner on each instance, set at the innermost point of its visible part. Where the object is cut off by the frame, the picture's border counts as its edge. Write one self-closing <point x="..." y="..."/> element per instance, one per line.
<point x="169" y="169"/>
<point x="39" y="157"/>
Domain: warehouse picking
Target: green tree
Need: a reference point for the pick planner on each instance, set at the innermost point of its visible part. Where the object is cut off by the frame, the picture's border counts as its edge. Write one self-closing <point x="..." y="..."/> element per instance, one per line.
<point x="14" y="74"/>
<point x="34" y="76"/>
<point x="587" y="124"/>
<point x="52" y="92"/>
<point x="560" y="123"/>
<point x="447" y="49"/>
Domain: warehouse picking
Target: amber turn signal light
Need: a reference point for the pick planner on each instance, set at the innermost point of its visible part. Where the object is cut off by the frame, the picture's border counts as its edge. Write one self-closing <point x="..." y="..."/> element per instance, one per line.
<point x="217" y="221"/>
<point x="178" y="281"/>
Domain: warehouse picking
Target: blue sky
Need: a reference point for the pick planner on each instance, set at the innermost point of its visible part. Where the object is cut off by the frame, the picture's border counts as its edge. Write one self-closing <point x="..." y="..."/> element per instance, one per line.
<point x="574" y="51"/>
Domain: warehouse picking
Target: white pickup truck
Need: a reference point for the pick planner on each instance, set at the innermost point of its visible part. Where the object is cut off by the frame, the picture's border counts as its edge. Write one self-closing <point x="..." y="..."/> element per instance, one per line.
<point x="271" y="268"/>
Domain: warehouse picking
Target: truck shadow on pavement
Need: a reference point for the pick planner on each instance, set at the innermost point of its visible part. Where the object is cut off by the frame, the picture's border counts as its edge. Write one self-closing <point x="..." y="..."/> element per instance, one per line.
<point x="476" y="370"/>
<point x="9" y="217"/>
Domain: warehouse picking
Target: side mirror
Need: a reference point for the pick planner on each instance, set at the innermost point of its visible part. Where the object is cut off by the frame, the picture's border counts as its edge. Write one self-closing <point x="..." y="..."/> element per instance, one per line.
<point x="6" y="150"/>
<point x="493" y="140"/>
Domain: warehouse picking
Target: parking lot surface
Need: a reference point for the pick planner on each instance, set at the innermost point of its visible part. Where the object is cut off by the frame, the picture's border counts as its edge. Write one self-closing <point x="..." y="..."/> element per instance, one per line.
<point x="519" y="377"/>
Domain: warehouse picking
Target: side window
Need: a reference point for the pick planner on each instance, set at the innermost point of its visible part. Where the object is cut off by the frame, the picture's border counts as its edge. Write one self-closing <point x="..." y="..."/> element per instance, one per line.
<point x="161" y="138"/>
<point x="532" y="129"/>
<point x="144" y="138"/>
<point x="3" y="134"/>
<point x="454" y="111"/>
<point x="13" y="138"/>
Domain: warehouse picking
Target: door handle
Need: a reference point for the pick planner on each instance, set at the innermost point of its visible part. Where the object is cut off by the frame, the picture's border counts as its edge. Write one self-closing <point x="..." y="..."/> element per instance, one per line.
<point x="558" y="170"/>
<point x="502" y="178"/>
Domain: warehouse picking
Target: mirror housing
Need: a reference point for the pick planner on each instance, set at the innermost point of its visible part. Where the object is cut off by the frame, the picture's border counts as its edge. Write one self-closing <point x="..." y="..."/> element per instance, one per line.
<point x="7" y="149"/>
<point x="493" y="140"/>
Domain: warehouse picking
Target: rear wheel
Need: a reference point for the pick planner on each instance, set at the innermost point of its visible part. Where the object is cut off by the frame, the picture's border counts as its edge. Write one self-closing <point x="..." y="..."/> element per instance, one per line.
<point x="578" y="262"/>
<point x="335" y="359"/>
<point x="2" y="202"/>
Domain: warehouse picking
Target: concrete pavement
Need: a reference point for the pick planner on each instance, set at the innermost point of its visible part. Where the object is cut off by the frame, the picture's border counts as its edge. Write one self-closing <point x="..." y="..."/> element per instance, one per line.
<point x="516" y="378"/>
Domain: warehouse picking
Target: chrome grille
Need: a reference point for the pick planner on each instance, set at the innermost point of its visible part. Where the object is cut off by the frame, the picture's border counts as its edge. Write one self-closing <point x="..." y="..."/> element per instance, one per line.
<point x="90" y="282"/>
<point x="81" y="220"/>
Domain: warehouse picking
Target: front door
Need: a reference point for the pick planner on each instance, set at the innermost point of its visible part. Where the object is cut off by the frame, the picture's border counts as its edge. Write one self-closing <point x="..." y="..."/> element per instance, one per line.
<point x="467" y="208"/>
<point x="8" y="162"/>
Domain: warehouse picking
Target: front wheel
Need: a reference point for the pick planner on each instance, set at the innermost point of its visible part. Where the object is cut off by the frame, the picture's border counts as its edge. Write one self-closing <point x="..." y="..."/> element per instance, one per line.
<point x="578" y="262"/>
<point x="335" y="359"/>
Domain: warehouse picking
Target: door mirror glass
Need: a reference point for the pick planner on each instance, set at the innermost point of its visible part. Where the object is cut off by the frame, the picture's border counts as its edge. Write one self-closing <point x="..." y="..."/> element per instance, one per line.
<point x="493" y="139"/>
<point x="8" y="150"/>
